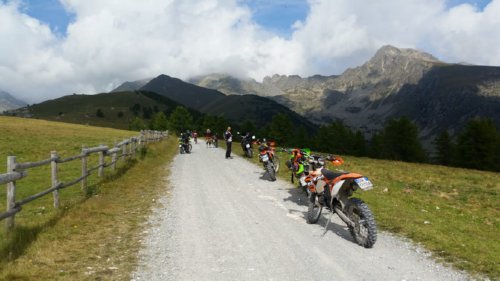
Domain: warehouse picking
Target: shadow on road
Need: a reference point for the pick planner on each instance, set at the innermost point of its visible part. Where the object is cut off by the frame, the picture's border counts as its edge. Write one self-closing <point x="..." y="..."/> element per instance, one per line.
<point x="299" y="197"/>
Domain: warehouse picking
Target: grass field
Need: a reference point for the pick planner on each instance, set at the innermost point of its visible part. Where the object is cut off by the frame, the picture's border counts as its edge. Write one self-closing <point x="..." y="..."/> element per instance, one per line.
<point x="450" y="211"/>
<point x="91" y="237"/>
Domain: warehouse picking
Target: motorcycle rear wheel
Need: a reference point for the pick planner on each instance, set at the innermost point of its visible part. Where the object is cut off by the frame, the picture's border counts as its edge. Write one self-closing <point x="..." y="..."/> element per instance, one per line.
<point x="189" y="148"/>
<point x="314" y="209"/>
<point x="276" y="162"/>
<point x="270" y="171"/>
<point x="364" y="231"/>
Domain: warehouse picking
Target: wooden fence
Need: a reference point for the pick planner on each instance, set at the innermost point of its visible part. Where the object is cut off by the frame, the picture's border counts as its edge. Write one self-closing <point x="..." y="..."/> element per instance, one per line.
<point x="16" y="171"/>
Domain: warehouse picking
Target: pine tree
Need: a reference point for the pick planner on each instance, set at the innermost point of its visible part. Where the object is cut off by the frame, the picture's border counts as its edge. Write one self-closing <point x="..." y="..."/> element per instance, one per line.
<point x="445" y="149"/>
<point x="400" y="141"/>
<point x="477" y="146"/>
<point x="180" y="120"/>
<point x="159" y="122"/>
<point x="137" y="124"/>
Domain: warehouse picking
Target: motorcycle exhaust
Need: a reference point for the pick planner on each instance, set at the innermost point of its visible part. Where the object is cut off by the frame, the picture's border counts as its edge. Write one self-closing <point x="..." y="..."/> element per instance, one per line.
<point x="343" y="217"/>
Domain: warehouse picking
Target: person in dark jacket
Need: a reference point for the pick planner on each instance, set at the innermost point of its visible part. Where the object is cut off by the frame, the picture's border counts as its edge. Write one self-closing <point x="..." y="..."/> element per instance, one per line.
<point x="228" y="136"/>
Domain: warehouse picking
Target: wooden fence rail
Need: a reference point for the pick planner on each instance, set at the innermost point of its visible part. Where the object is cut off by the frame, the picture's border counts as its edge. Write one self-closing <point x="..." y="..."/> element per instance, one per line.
<point x="17" y="171"/>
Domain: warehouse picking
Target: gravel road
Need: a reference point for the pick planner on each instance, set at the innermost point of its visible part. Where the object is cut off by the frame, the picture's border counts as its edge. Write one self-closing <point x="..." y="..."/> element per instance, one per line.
<point x="222" y="220"/>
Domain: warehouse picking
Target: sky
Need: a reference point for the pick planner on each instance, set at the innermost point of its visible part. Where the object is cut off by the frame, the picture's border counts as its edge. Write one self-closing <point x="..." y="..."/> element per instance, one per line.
<point x="52" y="48"/>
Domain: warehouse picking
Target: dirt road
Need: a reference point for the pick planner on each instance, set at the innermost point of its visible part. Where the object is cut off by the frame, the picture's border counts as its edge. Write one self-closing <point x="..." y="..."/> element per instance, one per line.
<point x="222" y="220"/>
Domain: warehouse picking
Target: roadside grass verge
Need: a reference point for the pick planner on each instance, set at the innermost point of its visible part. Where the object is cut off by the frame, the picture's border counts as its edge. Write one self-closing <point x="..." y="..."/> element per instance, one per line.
<point x="452" y="212"/>
<point x="92" y="236"/>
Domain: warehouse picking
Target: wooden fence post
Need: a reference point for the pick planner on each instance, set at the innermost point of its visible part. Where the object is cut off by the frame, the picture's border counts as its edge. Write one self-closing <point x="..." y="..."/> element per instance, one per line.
<point x="142" y="140"/>
<point x="84" y="171"/>
<point x="11" y="192"/>
<point x="133" y="144"/>
<point x="53" y="164"/>
<point x="130" y="145"/>
<point x="124" y="151"/>
<point x="113" y="160"/>
<point x="100" y="171"/>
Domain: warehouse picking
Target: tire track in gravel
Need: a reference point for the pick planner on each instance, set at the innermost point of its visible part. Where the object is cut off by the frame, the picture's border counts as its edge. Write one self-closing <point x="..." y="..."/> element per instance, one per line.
<point x="222" y="221"/>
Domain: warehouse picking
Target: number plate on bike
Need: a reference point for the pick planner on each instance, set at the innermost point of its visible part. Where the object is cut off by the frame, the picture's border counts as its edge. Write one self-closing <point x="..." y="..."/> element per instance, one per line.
<point x="364" y="183"/>
<point x="264" y="158"/>
<point x="248" y="145"/>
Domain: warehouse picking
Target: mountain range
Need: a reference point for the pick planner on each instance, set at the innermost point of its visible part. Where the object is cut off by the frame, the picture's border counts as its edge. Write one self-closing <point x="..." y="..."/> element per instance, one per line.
<point x="396" y="82"/>
<point x="8" y="102"/>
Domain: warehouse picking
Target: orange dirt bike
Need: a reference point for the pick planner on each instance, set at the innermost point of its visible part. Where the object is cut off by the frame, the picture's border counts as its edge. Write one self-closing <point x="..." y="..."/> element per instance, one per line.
<point x="334" y="191"/>
<point x="209" y="141"/>
<point x="268" y="158"/>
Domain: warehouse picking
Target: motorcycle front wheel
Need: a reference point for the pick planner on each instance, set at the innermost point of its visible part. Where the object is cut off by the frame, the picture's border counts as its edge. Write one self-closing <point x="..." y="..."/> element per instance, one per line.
<point x="364" y="231"/>
<point x="189" y="148"/>
<point x="249" y="153"/>
<point x="314" y="209"/>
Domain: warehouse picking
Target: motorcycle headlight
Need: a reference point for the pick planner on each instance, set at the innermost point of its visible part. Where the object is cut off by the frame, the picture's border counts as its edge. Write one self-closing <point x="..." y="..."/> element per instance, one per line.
<point x="321" y="161"/>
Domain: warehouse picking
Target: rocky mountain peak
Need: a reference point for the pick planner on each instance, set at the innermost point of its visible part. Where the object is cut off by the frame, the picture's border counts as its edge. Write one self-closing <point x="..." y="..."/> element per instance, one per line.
<point x="388" y="53"/>
<point x="389" y="65"/>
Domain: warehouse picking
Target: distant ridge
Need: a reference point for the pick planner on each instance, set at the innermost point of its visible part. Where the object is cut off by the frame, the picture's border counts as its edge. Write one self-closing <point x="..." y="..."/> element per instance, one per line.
<point x="235" y="108"/>
<point x="8" y="102"/>
<point x="131" y="86"/>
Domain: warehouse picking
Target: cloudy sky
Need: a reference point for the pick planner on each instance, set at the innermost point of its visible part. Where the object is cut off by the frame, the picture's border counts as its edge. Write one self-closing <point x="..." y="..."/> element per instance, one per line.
<point x="51" y="48"/>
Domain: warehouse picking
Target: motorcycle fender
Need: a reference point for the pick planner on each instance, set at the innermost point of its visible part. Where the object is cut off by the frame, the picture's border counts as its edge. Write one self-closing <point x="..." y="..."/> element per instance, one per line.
<point x="320" y="186"/>
<point x="336" y="188"/>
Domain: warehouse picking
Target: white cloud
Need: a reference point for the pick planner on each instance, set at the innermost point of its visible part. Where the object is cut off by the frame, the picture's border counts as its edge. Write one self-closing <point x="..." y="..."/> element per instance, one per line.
<point x="117" y="40"/>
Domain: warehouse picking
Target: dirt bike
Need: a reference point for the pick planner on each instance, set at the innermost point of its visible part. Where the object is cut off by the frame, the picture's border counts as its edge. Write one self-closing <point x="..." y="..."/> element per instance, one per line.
<point x="216" y="141"/>
<point x="334" y="190"/>
<point x="268" y="158"/>
<point x="209" y="141"/>
<point x="300" y="163"/>
<point x="185" y="145"/>
<point x="246" y="144"/>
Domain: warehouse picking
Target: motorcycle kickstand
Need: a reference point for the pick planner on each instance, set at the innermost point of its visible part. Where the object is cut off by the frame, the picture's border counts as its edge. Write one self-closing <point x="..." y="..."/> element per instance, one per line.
<point x="327" y="223"/>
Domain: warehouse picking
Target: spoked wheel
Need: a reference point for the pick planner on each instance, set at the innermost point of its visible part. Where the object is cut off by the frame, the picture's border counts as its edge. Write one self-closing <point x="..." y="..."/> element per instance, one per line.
<point x="365" y="228"/>
<point x="314" y="209"/>
<point x="276" y="162"/>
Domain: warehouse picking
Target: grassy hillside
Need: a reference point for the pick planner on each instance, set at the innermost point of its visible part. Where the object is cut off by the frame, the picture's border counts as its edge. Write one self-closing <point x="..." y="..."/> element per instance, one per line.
<point x="49" y="244"/>
<point x="451" y="211"/>
<point x="234" y="108"/>
<point x="118" y="109"/>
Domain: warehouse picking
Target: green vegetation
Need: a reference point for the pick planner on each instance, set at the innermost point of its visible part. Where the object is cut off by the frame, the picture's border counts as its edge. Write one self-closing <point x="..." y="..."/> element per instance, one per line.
<point x="91" y="237"/>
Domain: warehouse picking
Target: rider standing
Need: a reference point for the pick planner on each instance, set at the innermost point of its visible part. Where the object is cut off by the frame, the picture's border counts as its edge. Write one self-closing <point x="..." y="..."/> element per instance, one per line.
<point x="228" y="136"/>
<point x="208" y="137"/>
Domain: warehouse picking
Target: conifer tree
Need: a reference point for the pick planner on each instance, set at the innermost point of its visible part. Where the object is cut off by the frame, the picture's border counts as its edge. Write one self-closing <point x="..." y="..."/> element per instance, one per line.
<point x="445" y="149"/>
<point x="478" y="144"/>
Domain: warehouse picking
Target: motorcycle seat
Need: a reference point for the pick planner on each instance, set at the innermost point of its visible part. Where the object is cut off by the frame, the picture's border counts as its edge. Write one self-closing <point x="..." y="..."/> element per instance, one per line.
<point x="331" y="175"/>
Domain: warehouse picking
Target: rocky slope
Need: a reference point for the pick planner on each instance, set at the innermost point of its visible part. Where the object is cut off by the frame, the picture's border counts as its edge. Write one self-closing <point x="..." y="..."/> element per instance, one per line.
<point x="395" y="82"/>
<point x="8" y="102"/>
